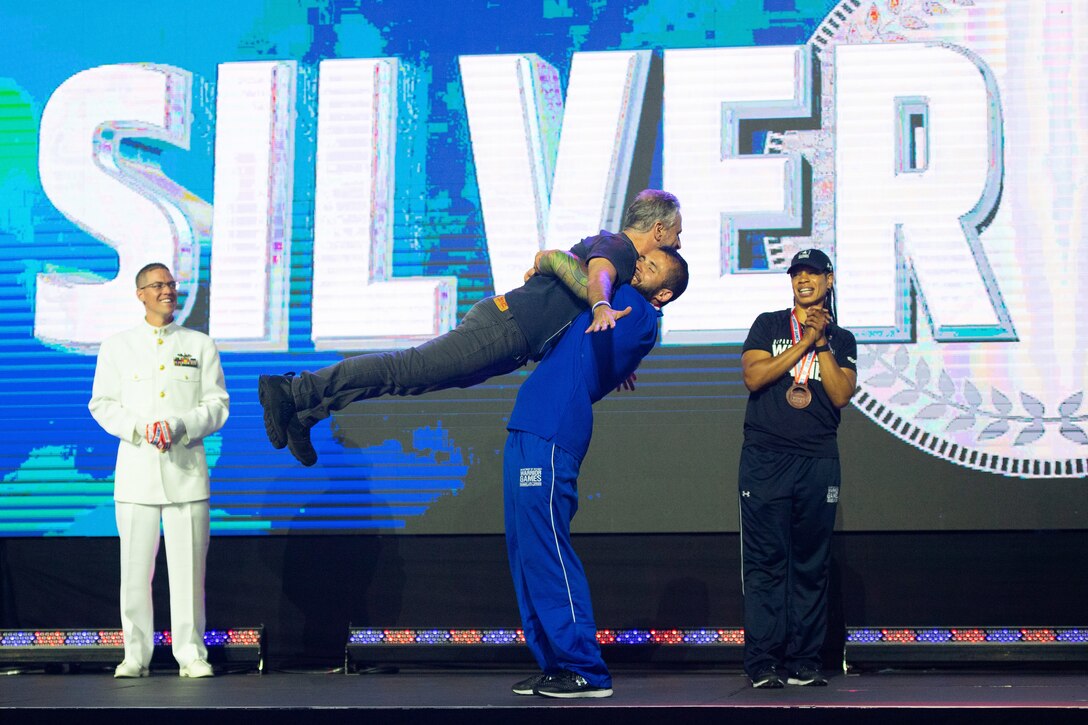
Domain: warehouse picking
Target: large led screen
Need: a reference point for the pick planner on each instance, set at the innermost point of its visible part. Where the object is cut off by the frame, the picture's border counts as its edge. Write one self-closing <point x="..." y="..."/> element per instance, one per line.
<point x="328" y="178"/>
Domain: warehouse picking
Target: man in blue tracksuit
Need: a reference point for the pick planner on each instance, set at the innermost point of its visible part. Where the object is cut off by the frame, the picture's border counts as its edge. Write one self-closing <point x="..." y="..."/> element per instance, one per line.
<point x="550" y="429"/>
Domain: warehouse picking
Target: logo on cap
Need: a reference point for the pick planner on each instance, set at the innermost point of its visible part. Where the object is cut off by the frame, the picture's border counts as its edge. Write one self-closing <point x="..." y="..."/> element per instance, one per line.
<point x="813" y="258"/>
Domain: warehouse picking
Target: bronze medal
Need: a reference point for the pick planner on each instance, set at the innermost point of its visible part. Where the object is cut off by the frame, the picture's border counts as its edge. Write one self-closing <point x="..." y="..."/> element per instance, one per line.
<point x="798" y="396"/>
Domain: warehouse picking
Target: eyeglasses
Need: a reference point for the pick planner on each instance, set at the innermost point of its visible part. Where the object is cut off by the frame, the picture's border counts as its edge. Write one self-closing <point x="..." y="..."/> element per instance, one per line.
<point x="158" y="286"/>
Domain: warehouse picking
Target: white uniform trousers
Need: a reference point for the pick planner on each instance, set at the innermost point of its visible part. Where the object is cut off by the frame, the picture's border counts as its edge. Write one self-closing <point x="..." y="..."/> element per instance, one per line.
<point x="186" y="529"/>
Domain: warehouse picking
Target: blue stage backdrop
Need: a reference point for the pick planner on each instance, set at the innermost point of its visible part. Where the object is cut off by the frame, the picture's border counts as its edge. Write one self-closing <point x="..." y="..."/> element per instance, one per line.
<point x="327" y="177"/>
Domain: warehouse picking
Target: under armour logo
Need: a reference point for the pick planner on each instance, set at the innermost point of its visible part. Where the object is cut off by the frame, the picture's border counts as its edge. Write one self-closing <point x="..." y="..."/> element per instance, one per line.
<point x="746" y="494"/>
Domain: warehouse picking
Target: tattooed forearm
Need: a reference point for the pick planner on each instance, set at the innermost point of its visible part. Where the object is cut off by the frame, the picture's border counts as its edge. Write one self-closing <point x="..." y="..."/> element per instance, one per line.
<point x="567" y="268"/>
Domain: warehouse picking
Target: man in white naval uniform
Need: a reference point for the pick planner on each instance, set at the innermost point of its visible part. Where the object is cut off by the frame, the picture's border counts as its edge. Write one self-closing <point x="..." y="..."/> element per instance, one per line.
<point x="159" y="388"/>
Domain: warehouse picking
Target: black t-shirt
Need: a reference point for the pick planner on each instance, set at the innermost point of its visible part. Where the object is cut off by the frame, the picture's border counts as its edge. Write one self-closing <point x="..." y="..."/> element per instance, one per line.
<point x="770" y="421"/>
<point x="543" y="306"/>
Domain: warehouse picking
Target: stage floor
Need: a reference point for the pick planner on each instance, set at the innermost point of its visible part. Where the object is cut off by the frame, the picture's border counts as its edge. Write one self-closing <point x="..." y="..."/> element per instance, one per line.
<point x="483" y="696"/>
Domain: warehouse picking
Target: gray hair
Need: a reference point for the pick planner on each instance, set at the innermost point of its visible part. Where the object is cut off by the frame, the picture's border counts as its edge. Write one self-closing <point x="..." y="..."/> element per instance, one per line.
<point x="651" y="205"/>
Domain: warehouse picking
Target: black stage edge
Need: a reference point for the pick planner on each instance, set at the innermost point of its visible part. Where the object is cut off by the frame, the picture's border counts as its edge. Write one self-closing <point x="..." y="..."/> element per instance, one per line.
<point x="483" y="697"/>
<point x="307" y="590"/>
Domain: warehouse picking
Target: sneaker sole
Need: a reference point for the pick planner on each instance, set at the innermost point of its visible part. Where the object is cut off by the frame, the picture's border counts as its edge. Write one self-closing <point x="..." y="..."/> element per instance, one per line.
<point x="528" y="686"/>
<point x="770" y="684"/>
<point x="806" y="683"/>
<point x="603" y="692"/>
<point x="275" y="437"/>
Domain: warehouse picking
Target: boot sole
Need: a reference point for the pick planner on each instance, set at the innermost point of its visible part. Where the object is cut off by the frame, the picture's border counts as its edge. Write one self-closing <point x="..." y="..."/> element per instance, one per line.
<point x="275" y="437"/>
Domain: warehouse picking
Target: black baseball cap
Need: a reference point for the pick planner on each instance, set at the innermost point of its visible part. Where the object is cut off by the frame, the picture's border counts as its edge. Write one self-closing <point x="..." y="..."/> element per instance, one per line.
<point x="812" y="258"/>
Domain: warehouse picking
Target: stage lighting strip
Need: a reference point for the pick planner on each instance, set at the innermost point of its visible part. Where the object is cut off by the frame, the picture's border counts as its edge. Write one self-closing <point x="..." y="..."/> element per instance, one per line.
<point x="114" y="638"/>
<point x="1041" y="635"/>
<point x="685" y="637"/>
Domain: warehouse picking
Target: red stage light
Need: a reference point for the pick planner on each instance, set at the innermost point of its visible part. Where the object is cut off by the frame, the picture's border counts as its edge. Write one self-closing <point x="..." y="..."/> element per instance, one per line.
<point x="667" y="636"/>
<point x="466" y="636"/>
<point x="899" y="635"/>
<point x="50" y="639"/>
<point x="968" y="635"/>
<point x="400" y="636"/>
<point x="1038" y="635"/>
<point x="731" y="636"/>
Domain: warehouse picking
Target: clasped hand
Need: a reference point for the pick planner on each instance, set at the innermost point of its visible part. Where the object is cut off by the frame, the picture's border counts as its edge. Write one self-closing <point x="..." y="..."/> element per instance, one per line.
<point x="159" y="435"/>
<point x="817" y="319"/>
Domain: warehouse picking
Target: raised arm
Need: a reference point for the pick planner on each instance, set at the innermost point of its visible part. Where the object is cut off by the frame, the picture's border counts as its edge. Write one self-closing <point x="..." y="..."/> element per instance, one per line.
<point x="840" y="384"/>
<point x="593" y="284"/>
<point x="761" y="369"/>
<point x="601" y="282"/>
<point x="565" y="267"/>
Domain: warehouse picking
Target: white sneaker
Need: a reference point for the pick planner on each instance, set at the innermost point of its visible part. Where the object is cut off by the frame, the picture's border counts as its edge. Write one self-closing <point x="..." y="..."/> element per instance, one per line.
<point x="197" y="668"/>
<point x="130" y="669"/>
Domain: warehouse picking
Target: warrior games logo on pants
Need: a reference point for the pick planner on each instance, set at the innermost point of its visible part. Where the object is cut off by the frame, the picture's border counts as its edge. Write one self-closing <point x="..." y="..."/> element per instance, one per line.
<point x="531" y="477"/>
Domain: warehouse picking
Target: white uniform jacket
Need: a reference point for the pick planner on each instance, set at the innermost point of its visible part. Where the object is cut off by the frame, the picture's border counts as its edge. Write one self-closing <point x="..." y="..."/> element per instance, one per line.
<point x="149" y="374"/>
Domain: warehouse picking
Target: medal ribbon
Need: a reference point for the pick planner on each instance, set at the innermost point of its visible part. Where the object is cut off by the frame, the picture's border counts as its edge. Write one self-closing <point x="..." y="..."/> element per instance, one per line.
<point x="808" y="362"/>
<point x="158" y="434"/>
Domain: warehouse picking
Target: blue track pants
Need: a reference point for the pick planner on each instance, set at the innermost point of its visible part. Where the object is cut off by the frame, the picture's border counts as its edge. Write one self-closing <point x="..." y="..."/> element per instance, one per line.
<point x="540" y="491"/>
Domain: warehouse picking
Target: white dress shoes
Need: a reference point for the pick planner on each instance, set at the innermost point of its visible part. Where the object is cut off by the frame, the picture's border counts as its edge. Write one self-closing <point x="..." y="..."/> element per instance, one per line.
<point x="197" y="668"/>
<point x="130" y="669"/>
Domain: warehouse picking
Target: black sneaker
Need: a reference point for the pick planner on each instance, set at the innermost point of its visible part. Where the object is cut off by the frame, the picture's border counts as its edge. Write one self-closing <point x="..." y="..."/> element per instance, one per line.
<point x="298" y="442"/>
<point x="529" y="684"/>
<point x="807" y="677"/>
<point x="767" y="679"/>
<point x="274" y="392"/>
<point x="569" y="684"/>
